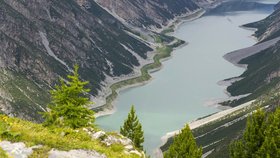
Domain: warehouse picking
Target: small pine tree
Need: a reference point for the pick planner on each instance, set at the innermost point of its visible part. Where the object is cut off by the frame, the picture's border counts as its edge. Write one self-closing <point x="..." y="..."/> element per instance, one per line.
<point x="184" y="146"/>
<point x="252" y="139"/>
<point x="132" y="129"/>
<point x="69" y="106"/>
<point x="261" y="137"/>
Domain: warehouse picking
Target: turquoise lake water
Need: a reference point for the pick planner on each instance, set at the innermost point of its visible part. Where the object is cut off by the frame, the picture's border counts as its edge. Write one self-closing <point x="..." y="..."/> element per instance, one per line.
<point x="185" y="87"/>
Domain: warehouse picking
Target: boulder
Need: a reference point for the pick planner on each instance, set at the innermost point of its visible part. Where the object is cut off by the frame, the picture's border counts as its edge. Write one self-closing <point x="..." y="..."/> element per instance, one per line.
<point x="75" y="154"/>
<point x="17" y="150"/>
<point x="98" y="135"/>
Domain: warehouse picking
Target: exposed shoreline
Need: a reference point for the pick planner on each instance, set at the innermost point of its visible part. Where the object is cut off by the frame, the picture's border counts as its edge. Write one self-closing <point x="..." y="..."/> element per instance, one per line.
<point x="108" y="107"/>
<point x="236" y="56"/>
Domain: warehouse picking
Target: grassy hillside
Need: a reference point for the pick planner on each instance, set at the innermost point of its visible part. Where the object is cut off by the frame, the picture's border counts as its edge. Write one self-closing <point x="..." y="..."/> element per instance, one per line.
<point x="64" y="139"/>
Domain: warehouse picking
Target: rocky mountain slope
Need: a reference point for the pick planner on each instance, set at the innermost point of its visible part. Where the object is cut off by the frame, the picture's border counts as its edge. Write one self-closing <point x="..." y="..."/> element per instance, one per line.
<point x="263" y="67"/>
<point x="261" y="81"/>
<point x="151" y="13"/>
<point x="268" y="28"/>
<point x="216" y="135"/>
<point x="42" y="40"/>
<point x="277" y="6"/>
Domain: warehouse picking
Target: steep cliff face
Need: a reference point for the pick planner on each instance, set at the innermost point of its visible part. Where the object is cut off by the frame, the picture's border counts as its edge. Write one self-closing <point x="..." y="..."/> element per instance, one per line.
<point x="41" y="40"/>
<point x="147" y="13"/>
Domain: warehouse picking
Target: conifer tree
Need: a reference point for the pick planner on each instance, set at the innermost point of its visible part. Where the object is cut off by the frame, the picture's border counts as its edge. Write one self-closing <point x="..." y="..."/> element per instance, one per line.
<point x="271" y="145"/>
<point x="69" y="105"/>
<point x="184" y="146"/>
<point x="132" y="129"/>
<point x="261" y="137"/>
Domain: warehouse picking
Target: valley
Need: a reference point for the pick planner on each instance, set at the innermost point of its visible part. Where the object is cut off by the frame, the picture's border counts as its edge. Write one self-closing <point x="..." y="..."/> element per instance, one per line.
<point x="186" y="88"/>
<point x="201" y="62"/>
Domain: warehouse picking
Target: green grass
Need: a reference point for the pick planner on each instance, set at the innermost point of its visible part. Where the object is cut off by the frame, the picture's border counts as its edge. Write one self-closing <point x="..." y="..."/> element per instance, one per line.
<point x="158" y="39"/>
<point x="16" y="130"/>
<point x="40" y="152"/>
<point x="168" y="30"/>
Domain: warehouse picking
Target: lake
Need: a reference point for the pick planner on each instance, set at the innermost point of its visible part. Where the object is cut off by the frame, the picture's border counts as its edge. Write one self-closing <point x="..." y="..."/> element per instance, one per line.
<point x="186" y="87"/>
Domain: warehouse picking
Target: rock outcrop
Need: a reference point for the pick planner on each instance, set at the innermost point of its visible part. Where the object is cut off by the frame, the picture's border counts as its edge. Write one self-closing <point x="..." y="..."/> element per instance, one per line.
<point x="17" y="150"/>
<point x="75" y="154"/>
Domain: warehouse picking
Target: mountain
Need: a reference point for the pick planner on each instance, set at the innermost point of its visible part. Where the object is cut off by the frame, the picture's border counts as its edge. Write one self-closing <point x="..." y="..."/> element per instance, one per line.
<point x="42" y="40"/>
<point x="150" y="13"/>
<point x="263" y="66"/>
<point x="240" y="5"/>
<point x="260" y="81"/>
<point x="227" y="126"/>
<point x="268" y="28"/>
